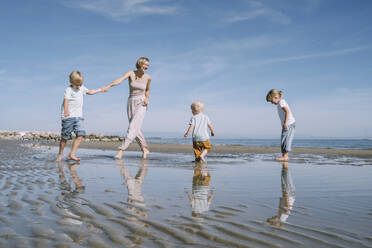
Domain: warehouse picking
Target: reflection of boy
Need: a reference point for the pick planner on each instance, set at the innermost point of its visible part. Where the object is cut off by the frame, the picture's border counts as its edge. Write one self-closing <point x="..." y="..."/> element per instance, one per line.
<point x="287" y="200"/>
<point x="199" y="200"/>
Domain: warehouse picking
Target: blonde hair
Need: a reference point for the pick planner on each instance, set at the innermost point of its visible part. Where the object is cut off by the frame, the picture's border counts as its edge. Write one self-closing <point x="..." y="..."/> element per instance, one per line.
<point x="272" y="93"/>
<point x="141" y="61"/>
<point x="197" y="107"/>
<point x="76" y="78"/>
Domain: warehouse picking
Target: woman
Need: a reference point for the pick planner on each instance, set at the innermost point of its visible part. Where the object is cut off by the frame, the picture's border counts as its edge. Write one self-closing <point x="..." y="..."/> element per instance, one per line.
<point x="139" y="87"/>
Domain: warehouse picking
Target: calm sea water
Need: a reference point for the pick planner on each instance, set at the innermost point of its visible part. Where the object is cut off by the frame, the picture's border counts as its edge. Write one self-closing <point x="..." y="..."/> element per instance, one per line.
<point x="305" y="143"/>
<point x="167" y="200"/>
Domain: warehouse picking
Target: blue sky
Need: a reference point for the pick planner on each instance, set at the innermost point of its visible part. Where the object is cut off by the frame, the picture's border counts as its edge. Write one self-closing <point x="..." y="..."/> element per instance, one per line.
<point x="225" y="53"/>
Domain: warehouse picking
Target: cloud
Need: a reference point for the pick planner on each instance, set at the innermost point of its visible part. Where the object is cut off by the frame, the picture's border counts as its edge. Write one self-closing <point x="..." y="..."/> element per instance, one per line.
<point x="308" y="56"/>
<point x="3" y="72"/>
<point x="259" y="10"/>
<point x="123" y="10"/>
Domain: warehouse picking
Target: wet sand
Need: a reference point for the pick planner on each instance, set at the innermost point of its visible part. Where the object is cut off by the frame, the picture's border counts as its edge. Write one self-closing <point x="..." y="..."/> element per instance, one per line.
<point x="235" y="200"/>
<point x="227" y="149"/>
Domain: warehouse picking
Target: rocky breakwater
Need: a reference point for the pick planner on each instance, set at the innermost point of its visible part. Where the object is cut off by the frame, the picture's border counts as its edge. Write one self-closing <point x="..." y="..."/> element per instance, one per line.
<point x="52" y="136"/>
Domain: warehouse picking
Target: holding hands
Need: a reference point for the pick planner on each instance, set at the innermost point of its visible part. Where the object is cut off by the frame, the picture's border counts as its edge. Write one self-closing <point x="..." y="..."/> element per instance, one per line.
<point x="105" y="88"/>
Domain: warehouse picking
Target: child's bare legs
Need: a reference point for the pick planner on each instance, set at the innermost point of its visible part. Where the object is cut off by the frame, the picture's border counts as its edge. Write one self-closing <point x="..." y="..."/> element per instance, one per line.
<point x="62" y="145"/>
<point x="203" y="154"/>
<point x="75" y="146"/>
<point x="284" y="157"/>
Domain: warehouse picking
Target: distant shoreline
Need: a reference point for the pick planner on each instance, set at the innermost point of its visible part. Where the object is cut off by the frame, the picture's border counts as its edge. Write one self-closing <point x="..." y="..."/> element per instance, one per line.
<point x="99" y="141"/>
<point x="222" y="149"/>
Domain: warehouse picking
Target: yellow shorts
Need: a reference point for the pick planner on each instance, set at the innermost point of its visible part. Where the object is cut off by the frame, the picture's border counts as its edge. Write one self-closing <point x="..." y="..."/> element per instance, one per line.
<point x="199" y="146"/>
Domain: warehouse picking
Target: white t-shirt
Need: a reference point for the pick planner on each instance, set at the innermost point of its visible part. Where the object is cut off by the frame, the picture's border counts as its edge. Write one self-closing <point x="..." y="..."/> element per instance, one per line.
<point x="200" y="122"/>
<point x="200" y="203"/>
<point x="75" y="101"/>
<point x="282" y="103"/>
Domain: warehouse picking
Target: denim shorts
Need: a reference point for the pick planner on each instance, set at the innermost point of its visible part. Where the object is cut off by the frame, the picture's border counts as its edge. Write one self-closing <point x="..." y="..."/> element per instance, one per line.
<point x="73" y="124"/>
<point x="287" y="138"/>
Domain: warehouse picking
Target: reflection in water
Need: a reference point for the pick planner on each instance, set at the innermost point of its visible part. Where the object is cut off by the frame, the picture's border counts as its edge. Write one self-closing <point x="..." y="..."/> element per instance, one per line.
<point x="199" y="199"/>
<point x="135" y="202"/>
<point x="69" y="196"/>
<point x="288" y="197"/>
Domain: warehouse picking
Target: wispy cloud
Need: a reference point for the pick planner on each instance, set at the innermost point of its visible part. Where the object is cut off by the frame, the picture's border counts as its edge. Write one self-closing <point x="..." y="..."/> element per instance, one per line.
<point x="308" y="56"/>
<point x="259" y="10"/>
<point x="2" y="72"/>
<point x="123" y="10"/>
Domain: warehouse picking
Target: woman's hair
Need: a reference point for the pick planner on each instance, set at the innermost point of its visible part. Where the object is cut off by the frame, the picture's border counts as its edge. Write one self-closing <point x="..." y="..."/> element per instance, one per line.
<point x="76" y="78"/>
<point x="141" y="61"/>
<point x="273" y="93"/>
<point x="197" y="107"/>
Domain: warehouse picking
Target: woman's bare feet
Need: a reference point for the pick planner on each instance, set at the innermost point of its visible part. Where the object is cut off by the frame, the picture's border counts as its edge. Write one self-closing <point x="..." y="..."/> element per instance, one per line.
<point x="119" y="154"/>
<point x="73" y="157"/>
<point x="59" y="158"/>
<point x="202" y="159"/>
<point x="145" y="153"/>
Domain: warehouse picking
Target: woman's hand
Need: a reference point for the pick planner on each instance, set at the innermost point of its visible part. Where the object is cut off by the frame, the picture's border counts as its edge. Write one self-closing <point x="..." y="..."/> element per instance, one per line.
<point x="145" y="102"/>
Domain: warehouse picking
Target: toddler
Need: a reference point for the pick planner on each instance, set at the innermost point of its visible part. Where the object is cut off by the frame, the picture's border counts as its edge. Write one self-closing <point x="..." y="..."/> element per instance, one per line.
<point x="199" y="125"/>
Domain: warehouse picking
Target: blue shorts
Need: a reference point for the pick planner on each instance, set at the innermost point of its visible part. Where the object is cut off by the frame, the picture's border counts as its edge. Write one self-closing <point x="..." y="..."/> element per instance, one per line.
<point x="73" y="124"/>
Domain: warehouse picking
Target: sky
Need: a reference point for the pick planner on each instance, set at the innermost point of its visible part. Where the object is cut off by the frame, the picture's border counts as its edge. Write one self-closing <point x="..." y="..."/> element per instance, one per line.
<point x="226" y="53"/>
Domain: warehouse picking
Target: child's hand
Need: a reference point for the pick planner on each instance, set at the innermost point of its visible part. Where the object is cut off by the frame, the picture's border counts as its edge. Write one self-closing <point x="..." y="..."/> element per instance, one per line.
<point x="212" y="133"/>
<point x="186" y="134"/>
<point x="284" y="126"/>
<point x="66" y="114"/>
<point x="145" y="102"/>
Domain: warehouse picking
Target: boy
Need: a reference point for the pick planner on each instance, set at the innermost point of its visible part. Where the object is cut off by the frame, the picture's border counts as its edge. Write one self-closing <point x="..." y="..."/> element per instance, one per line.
<point x="199" y="125"/>
<point x="72" y="114"/>
<point x="287" y="120"/>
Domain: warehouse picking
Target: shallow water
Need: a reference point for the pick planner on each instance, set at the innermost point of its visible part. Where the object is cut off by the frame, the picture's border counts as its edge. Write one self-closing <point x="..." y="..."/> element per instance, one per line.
<point x="169" y="201"/>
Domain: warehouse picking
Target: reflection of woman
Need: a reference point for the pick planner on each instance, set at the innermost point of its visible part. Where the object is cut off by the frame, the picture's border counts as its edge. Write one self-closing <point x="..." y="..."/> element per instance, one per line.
<point x="288" y="197"/>
<point x="199" y="199"/>
<point x="134" y="185"/>
<point x="139" y="87"/>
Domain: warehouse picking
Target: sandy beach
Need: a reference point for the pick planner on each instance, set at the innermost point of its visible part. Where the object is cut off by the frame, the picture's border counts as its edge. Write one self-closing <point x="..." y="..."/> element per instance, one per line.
<point x="227" y="149"/>
<point x="240" y="198"/>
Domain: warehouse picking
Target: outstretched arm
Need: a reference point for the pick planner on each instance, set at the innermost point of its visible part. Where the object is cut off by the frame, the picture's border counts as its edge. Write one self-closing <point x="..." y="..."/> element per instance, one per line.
<point x="117" y="81"/>
<point x="211" y="128"/>
<point x="189" y="130"/>
<point x="147" y="92"/>
<point x="92" y="92"/>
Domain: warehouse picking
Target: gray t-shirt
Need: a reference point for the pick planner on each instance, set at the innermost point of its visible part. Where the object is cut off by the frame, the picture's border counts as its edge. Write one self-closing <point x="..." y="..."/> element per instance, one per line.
<point x="75" y="101"/>
<point x="200" y="131"/>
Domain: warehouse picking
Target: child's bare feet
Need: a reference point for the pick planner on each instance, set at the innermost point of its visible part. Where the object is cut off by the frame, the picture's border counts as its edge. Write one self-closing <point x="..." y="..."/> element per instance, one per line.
<point x="145" y="153"/>
<point x="282" y="159"/>
<point x="72" y="157"/>
<point x="59" y="158"/>
<point x="119" y="154"/>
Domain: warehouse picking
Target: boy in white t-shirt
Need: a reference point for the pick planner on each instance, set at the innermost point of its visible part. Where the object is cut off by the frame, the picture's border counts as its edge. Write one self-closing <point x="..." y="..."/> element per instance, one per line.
<point x="72" y="114"/>
<point x="199" y="125"/>
<point x="287" y="120"/>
